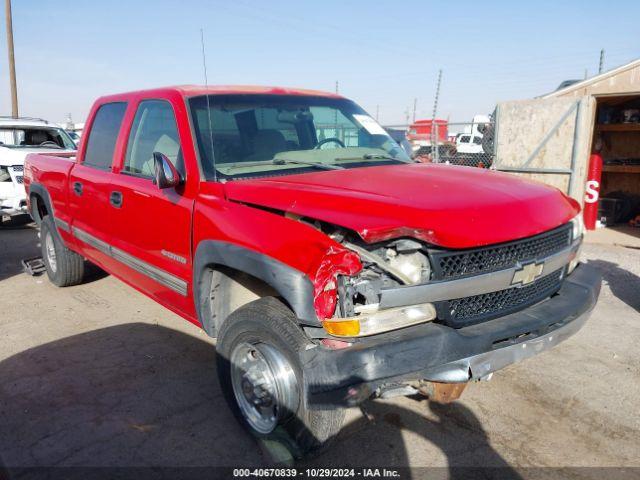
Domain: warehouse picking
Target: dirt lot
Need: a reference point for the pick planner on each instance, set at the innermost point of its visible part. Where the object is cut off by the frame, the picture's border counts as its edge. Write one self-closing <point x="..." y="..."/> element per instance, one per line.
<point x="100" y="375"/>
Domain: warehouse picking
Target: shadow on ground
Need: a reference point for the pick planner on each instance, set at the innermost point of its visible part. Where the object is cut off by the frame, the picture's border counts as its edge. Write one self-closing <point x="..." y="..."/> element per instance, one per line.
<point x="144" y="395"/>
<point x="624" y="284"/>
<point x="17" y="242"/>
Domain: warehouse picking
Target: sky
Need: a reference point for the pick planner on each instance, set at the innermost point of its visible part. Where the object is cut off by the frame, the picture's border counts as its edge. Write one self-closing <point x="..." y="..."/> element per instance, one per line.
<point x="382" y="54"/>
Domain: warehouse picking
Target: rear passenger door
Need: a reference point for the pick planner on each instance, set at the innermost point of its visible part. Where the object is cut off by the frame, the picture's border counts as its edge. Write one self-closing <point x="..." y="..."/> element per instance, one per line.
<point x="151" y="228"/>
<point x="89" y="184"/>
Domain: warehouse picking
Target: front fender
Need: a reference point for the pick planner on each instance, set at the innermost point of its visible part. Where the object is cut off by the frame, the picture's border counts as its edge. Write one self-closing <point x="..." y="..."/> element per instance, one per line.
<point x="293" y="285"/>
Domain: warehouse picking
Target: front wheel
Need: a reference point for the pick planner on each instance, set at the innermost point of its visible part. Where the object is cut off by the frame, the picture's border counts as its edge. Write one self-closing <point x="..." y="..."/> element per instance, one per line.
<point x="260" y="374"/>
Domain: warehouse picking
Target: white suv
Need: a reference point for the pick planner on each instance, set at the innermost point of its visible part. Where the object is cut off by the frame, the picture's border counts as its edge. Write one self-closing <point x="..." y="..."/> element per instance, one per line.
<point x="19" y="137"/>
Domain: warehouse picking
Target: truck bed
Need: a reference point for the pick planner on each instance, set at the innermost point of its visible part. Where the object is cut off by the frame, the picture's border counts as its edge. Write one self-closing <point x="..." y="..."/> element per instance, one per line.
<point x="52" y="170"/>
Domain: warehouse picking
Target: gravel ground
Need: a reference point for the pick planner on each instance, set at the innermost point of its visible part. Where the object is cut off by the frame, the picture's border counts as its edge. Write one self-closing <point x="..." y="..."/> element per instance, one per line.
<point x="99" y="375"/>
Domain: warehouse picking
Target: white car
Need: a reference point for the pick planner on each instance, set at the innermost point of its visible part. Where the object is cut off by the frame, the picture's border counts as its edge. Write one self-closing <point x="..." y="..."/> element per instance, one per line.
<point x="19" y="137"/>
<point x="469" y="143"/>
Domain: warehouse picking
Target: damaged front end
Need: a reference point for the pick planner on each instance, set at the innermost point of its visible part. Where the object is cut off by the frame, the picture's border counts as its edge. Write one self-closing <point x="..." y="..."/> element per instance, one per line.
<point x="416" y="318"/>
<point x="349" y="282"/>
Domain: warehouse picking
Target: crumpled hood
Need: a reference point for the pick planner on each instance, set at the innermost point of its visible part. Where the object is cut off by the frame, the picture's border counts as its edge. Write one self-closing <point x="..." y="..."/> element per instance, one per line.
<point x="449" y="206"/>
<point x="16" y="156"/>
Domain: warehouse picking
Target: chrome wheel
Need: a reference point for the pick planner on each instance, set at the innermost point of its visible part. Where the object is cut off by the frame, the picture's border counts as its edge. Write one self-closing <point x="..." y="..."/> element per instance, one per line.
<point x="264" y="385"/>
<point x="50" y="248"/>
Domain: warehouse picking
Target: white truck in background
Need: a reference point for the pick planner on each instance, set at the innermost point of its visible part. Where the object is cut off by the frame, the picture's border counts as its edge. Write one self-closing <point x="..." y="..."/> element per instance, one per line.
<point x="470" y="140"/>
<point x="18" y="138"/>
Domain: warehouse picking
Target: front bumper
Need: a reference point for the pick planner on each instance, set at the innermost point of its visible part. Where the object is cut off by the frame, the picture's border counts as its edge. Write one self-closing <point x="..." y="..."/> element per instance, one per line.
<point x="435" y="352"/>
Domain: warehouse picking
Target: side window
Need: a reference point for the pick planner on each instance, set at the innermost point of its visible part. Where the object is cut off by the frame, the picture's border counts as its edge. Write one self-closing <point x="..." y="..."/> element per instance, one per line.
<point x="154" y="130"/>
<point x="103" y="135"/>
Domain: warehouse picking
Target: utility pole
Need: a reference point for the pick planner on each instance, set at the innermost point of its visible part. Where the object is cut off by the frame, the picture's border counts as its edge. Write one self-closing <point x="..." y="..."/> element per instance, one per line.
<point x="435" y="102"/>
<point x="601" y="61"/>
<point x="434" y="125"/>
<point x="415" y="105"/>
<point x="586" y="73"/>
<point x="12" y="62"/>
<point x="335" y="117"/>
<point x="377" y="112"/>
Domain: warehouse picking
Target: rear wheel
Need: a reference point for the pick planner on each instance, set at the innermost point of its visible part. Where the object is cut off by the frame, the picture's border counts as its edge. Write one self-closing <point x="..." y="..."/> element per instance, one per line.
<point x="262" y="379"/>
<point x="64" y="267"/>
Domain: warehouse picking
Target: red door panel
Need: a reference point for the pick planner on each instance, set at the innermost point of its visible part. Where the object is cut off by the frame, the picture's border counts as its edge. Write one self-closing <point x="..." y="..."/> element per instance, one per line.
<point x="89" y="201"/>
<point x="152" y="228"/>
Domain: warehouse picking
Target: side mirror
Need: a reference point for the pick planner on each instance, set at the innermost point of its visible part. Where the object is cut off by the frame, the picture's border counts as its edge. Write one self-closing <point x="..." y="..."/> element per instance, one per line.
<point x="166" y="175"/>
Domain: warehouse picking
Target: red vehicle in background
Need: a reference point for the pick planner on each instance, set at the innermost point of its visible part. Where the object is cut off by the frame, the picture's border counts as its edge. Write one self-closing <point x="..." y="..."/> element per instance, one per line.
<point x="423" y="133"/>
<point x="330" y="267"/>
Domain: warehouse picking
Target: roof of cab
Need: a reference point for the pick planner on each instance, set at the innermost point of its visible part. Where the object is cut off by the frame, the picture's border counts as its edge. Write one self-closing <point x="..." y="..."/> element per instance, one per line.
<point x="195" y="90"/>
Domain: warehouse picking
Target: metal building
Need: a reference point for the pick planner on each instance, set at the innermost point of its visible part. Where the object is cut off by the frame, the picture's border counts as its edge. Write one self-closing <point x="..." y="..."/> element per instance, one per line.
<point x="551" y="138"/>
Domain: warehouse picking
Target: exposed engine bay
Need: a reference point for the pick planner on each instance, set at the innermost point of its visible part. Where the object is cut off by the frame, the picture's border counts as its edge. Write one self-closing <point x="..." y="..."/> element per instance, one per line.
<point x="385" y="265"/>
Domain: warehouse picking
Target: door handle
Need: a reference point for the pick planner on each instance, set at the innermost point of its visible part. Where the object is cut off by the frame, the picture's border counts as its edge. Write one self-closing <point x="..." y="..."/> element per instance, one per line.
<point x="77" y="188"/>
<point x="115" y="199"/>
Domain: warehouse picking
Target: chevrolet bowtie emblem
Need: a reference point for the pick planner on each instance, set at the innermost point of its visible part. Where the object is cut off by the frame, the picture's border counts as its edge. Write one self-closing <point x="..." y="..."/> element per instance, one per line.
<point x="527" y="274"/>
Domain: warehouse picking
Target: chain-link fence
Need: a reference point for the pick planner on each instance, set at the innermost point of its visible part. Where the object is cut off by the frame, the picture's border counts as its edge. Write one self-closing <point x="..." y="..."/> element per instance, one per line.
<point x="470" y="143"/>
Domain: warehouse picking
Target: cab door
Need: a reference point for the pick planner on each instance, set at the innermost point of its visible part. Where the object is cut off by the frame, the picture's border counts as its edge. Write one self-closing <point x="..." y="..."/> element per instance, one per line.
<point x="89" y="184"/>
<point x="151" y="227"/>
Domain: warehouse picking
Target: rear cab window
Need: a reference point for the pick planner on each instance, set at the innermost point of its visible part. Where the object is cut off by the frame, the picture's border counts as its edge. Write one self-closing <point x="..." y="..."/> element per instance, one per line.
<point x="103" y="135"/>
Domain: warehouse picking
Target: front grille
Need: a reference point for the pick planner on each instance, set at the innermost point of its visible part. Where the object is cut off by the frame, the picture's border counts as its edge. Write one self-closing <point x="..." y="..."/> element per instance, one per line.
<point x="18" y="168"/>
<point x="451" y="265"/>
<point x="19" y="179"/>
<point x="462" y="312"/>
<point x="448" y="265"/>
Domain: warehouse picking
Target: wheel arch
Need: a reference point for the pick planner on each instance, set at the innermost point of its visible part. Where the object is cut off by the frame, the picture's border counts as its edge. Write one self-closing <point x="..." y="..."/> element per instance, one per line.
<point x="39" y="203"/>
<point x="261" y="271"/>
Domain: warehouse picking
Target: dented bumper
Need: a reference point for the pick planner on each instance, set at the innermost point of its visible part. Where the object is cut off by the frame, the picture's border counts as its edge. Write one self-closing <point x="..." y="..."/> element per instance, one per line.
<point x="436" y="352"/>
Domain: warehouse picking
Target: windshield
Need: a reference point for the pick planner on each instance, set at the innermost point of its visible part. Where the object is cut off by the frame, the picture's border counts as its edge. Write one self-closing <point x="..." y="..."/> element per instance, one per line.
<point x="38" y="137"/>
<point x="257" y="135"/>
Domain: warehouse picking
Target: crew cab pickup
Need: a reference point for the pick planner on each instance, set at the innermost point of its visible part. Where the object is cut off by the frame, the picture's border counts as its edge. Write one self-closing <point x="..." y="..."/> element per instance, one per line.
<point x="329" y="266"/>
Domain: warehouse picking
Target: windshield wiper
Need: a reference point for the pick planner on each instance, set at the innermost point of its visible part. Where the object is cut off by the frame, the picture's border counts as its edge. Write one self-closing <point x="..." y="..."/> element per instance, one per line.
<point x="369" y="156"/>
<point x="324" y="166"/>
<point x="382" y="156"/>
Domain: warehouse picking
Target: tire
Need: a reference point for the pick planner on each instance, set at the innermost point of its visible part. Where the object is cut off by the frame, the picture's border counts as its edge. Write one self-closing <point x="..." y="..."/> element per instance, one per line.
<point x="269" y="325"/>
<point x="64" y="267"/>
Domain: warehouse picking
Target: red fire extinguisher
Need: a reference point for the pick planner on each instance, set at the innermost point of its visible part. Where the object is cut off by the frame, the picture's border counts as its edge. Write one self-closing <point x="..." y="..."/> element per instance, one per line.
<point x="592" y="191"/>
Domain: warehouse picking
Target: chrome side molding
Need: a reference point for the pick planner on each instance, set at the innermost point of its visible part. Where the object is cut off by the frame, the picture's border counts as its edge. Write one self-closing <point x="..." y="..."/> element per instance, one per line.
<point x="164" y="278"/>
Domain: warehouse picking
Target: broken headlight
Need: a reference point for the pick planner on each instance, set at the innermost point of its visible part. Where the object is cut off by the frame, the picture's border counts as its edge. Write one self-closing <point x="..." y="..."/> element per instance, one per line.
<point x="394" y="264"/>
<point x="408" y="260"/>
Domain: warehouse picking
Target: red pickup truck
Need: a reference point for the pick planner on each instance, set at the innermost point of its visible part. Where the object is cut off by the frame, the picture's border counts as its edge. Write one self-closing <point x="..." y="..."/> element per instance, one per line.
<point x="329" y="266"/>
